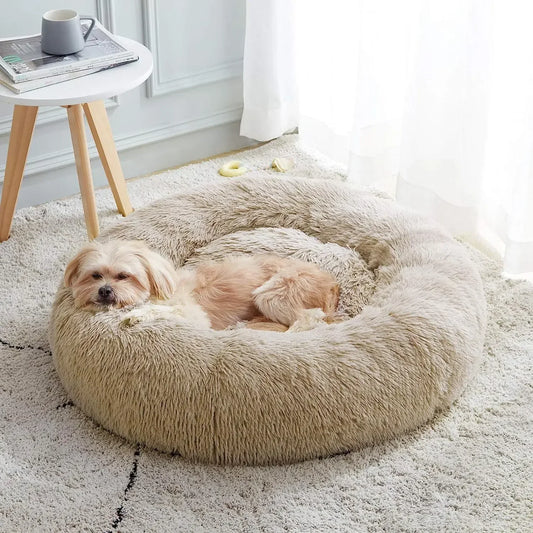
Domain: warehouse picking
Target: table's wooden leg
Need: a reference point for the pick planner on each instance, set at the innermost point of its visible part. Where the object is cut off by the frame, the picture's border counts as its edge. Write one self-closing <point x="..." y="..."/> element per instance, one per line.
<point x="103" y="137"/>
<point x="19" y="144"/>
<point x="83" y="167"/>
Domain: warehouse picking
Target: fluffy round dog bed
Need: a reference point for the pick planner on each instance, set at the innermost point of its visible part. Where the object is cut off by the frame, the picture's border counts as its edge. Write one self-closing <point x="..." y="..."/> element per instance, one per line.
<point x="241" y="396"/>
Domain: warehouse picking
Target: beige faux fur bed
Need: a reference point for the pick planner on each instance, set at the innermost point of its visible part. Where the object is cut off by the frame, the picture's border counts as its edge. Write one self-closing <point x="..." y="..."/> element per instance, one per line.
<point x="254" y="397"/>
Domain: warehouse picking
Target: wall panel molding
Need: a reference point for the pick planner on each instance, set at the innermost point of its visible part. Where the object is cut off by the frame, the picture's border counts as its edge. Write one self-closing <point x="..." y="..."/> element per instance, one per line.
<point x="105" y="13"/>
<point x="156" y="86"/>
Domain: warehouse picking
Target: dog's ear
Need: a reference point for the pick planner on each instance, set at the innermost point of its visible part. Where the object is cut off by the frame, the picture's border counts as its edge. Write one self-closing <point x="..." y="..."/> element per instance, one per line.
<point x="73" y="268"/>
<point x="161" y="275"/>
<point x="160" y="271"/>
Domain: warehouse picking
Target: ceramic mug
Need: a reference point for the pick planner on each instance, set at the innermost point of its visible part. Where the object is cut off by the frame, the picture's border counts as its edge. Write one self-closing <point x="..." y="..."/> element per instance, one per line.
<point x="61" y="32"/>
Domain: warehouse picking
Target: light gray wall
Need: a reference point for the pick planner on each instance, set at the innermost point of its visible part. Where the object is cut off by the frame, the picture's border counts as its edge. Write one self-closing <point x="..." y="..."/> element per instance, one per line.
<point x="189" y="109"/>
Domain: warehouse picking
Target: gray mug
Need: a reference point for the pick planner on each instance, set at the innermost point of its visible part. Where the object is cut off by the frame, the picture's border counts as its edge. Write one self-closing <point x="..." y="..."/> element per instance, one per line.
<point x="61" y="32"/>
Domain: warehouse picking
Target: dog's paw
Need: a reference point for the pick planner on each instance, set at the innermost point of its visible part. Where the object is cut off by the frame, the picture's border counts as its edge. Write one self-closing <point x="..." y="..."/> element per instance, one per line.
<point x="309" y="319"/>
<point x="130" y="321"/>
<point x="135" y="316"/>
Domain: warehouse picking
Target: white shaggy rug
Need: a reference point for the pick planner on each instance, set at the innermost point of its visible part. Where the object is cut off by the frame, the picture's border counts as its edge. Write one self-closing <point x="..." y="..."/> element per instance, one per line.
<point x="468" y="470"/>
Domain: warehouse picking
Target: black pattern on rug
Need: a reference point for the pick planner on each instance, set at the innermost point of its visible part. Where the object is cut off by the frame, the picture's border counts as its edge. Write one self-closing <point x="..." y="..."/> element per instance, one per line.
<point x="69" y="403"/>
<point x="27" y="347"/>
<point x="131" y="482"/>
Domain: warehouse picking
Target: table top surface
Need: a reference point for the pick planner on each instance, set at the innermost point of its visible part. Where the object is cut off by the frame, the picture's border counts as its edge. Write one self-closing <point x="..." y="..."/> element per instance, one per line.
<point x="89" y="88"/>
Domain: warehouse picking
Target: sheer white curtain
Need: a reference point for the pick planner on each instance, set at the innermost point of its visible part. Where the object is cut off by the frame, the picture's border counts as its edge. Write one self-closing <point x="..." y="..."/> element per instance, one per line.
<point x="431" y="100"/>
<point x="269" y="79"/>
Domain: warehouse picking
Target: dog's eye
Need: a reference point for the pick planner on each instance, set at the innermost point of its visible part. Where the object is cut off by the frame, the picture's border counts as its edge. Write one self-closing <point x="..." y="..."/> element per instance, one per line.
<point x="122" y="275"/>
<point x="97" y="275"/>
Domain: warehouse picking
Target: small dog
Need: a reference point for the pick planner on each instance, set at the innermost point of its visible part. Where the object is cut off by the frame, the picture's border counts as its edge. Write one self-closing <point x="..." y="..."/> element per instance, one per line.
<point x="267" y="291"/>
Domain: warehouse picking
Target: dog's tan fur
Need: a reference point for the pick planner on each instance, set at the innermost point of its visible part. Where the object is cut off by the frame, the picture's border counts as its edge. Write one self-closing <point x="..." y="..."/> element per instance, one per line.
<point x="269" y="292"/>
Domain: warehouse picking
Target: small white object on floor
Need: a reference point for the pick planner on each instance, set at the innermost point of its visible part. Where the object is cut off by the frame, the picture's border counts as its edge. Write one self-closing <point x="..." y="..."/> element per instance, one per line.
<point x="282" y="164"/>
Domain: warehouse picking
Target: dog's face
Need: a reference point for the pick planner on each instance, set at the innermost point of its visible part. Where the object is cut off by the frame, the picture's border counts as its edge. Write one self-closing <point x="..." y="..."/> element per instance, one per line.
<point x="118" y="274"/>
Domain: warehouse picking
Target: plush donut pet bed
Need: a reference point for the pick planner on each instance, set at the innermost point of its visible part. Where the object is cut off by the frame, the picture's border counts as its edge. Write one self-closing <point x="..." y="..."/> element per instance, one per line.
<point x="412" y="342"/>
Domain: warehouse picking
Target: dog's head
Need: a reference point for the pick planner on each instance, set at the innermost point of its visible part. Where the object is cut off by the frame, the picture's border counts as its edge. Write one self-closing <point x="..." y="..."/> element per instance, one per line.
<point x="118" y="274"/>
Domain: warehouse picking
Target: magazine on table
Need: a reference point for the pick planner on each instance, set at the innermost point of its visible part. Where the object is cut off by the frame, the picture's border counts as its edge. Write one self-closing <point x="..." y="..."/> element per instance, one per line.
<point x="30" y="85"/>
<point x="22" y="59"/>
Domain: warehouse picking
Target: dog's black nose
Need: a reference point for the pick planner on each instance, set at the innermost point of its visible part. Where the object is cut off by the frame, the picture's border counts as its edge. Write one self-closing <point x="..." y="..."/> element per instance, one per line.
<point x="105" y="294"/>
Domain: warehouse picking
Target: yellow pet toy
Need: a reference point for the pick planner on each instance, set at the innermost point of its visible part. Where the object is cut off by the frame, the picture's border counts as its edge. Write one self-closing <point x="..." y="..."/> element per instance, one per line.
<point x="232" y="169"/>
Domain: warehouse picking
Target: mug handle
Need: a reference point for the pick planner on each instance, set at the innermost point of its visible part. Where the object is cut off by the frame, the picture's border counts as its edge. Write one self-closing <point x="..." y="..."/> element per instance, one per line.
<point x="90" y="27"/>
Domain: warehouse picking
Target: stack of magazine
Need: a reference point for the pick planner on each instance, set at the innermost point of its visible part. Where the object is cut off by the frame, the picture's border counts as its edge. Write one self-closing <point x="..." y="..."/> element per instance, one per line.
<point x="24" y="67"/>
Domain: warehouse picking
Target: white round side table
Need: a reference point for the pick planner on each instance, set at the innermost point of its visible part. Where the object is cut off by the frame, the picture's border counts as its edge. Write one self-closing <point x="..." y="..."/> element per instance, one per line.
<point x="85" y="94"/>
